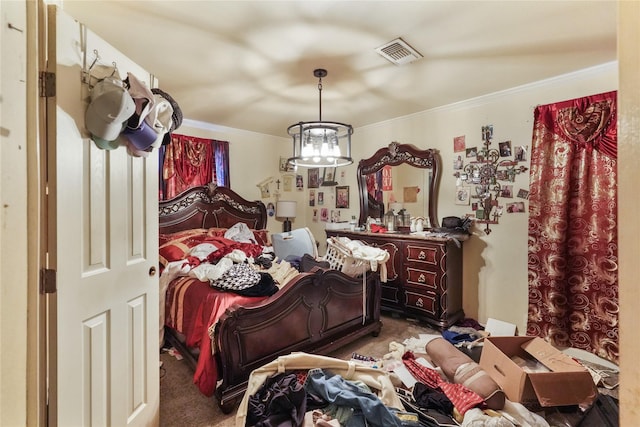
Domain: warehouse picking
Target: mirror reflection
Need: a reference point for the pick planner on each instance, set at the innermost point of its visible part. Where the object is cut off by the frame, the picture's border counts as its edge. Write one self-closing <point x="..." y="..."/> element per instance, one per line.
<point x="403" y="188"/>
<point x="399" y="177"/>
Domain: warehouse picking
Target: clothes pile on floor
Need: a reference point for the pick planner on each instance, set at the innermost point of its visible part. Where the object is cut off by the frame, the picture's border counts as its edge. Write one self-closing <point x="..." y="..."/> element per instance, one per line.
<point x="302" y="389"/>
<point x="422" y="381"/>
<point x="454" y="356"/>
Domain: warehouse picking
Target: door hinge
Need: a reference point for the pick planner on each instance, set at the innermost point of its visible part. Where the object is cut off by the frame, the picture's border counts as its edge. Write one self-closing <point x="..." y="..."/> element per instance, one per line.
<point x="48" y="281"/>
<point x="47" y="84"/>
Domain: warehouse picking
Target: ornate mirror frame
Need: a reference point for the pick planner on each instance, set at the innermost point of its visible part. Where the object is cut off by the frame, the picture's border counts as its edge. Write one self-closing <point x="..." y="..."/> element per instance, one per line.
<point x="393" y="155"/>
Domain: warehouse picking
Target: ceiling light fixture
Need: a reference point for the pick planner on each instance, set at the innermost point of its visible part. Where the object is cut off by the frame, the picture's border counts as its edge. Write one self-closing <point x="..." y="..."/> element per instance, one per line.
<point x="320" y="144"/>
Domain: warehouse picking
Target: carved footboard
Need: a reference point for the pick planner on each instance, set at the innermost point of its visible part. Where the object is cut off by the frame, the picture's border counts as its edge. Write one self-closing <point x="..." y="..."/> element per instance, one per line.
<point x="316" y="312"/>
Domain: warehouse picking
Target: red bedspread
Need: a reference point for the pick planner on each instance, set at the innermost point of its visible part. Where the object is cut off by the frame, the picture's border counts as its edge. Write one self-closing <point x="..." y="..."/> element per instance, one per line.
<point x="192" y="306"/>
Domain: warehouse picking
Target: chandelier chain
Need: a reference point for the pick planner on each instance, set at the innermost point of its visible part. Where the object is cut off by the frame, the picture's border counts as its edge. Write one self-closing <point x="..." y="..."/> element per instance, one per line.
<point x="320" y="98"/>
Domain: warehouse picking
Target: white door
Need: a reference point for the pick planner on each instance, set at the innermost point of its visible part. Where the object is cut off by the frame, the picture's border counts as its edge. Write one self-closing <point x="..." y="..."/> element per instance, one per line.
<point x="103" y="236"/>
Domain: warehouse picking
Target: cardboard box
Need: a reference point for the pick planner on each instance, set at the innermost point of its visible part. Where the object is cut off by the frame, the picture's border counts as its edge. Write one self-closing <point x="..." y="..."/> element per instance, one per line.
<point x="557" y="380"/>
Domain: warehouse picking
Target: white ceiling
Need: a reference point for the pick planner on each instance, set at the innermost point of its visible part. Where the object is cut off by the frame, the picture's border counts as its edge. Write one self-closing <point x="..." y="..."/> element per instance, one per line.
<point x="249" y="64"/>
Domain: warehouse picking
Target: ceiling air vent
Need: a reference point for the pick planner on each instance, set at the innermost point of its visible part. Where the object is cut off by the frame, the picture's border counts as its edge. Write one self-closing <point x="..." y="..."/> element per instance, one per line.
<point x="399" y="52"/>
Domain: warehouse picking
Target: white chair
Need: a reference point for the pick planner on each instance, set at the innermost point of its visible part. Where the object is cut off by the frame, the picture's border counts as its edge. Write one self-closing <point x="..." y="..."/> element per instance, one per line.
<point x="294" y="243"/>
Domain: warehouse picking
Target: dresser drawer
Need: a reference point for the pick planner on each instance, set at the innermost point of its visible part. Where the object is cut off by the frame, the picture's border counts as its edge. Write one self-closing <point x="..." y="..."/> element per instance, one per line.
<point x="423" y="254"/>
<point x="390" y="295"/>
<point x="422" y="302"/>
<point x="420" y="277"/>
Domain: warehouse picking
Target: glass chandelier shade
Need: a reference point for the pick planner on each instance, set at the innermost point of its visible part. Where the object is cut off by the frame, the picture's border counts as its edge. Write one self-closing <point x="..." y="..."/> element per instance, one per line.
<point x="321" y="143"/>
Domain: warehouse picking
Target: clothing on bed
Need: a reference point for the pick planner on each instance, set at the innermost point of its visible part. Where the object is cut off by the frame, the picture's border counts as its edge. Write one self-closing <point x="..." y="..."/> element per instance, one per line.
<point x="240" y="232"/>
<point x="176" y="246"/>
<point x="205" y="273"/>
<point x="237" y="278"/>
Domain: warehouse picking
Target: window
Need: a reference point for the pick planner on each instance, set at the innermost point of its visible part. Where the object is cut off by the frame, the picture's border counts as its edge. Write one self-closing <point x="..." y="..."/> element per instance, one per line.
<point x="188" y="161"/>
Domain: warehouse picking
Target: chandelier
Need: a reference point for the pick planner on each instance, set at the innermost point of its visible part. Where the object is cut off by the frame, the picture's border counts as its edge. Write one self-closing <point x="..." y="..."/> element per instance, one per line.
<point x="321" y="143"/>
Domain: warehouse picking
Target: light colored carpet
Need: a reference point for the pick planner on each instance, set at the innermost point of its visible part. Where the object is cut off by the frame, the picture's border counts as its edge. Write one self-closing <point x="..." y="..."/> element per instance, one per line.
<point x="182" y="404"/>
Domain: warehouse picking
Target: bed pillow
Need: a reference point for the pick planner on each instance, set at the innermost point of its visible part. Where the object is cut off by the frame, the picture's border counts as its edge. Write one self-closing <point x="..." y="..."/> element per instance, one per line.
<point x="261" y="236"/>
<point x="175" y="246"/>
<point x="216" y="232"/>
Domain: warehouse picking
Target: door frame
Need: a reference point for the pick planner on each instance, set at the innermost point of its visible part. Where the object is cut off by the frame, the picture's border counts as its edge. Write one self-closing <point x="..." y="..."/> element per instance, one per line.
<point x="22" y="309"/>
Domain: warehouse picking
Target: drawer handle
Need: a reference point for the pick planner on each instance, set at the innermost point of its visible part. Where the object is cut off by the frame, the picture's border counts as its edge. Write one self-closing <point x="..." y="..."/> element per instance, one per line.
<point x="422" y="279"/>
<point x="419" y="303"/>
<point x="422" y="255"/>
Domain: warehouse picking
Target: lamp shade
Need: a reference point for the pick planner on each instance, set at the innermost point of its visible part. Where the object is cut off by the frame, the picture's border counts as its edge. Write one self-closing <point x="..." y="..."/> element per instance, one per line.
<point x="286" y="209"/>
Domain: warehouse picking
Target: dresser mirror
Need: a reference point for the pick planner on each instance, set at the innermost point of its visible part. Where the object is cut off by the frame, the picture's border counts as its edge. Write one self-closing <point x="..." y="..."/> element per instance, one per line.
<point x="400" y="174"/>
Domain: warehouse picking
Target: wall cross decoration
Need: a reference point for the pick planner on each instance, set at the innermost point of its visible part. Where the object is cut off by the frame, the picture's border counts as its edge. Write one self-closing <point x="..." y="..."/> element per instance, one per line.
<point x="484" y="176"/>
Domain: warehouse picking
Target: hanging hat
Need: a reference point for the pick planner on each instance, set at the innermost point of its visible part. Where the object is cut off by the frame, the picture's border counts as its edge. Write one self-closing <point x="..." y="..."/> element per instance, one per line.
<point x="134" y="151"/>
<point x="176" y="116"/>
<point x="141" y="137"/>
<point x="105" y="144"/>
<point x="111" y="105"/>
<point x="137" y="132"/>
<point x="159" y="119"/>
<point x="454" y="224"/>
<point x="142" y="96"/>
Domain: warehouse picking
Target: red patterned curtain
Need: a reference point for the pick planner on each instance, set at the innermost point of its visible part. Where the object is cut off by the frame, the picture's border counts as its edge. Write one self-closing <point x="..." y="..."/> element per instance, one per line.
<point x="189" y="161"/>
<point x="573" y="242"/>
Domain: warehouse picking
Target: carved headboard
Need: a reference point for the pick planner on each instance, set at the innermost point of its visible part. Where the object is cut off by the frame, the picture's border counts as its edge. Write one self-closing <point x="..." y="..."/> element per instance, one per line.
<point x="210" y="206"/>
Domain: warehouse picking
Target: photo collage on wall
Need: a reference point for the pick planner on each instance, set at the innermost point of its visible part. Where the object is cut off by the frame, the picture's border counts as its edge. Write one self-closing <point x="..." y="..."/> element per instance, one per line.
<point x="485" y="176"/>
<point x="326" y="196"/>
<point x="322" y="197"/>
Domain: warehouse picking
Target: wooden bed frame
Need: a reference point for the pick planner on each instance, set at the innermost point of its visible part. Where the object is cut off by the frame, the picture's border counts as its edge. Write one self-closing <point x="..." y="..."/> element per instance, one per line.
<point x="316" y="312"/>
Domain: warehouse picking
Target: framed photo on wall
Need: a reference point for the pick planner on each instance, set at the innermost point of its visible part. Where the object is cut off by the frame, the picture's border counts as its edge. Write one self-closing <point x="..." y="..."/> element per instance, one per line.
<point x="342" y="197"/>
<point x="324" y="214"/>
<point x="459" y="144"/>
<point x="505" y="148"/>
<point x="463" y="195"/>
<point x="287" y="182"/>
<point x="314" y="178"/>
<point x="264" y="191"/>
<point x="328" y="177"/>
<point x="285" y="166"/>
<point x="521" y="153"/>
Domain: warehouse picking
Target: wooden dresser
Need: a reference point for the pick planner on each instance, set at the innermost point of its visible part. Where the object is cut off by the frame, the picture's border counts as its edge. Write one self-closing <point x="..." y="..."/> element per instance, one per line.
<point x="424" y="275"/>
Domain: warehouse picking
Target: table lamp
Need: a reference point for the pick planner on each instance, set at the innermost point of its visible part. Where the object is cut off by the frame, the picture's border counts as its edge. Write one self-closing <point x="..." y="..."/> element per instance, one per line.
<point x="286" y="209"/>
